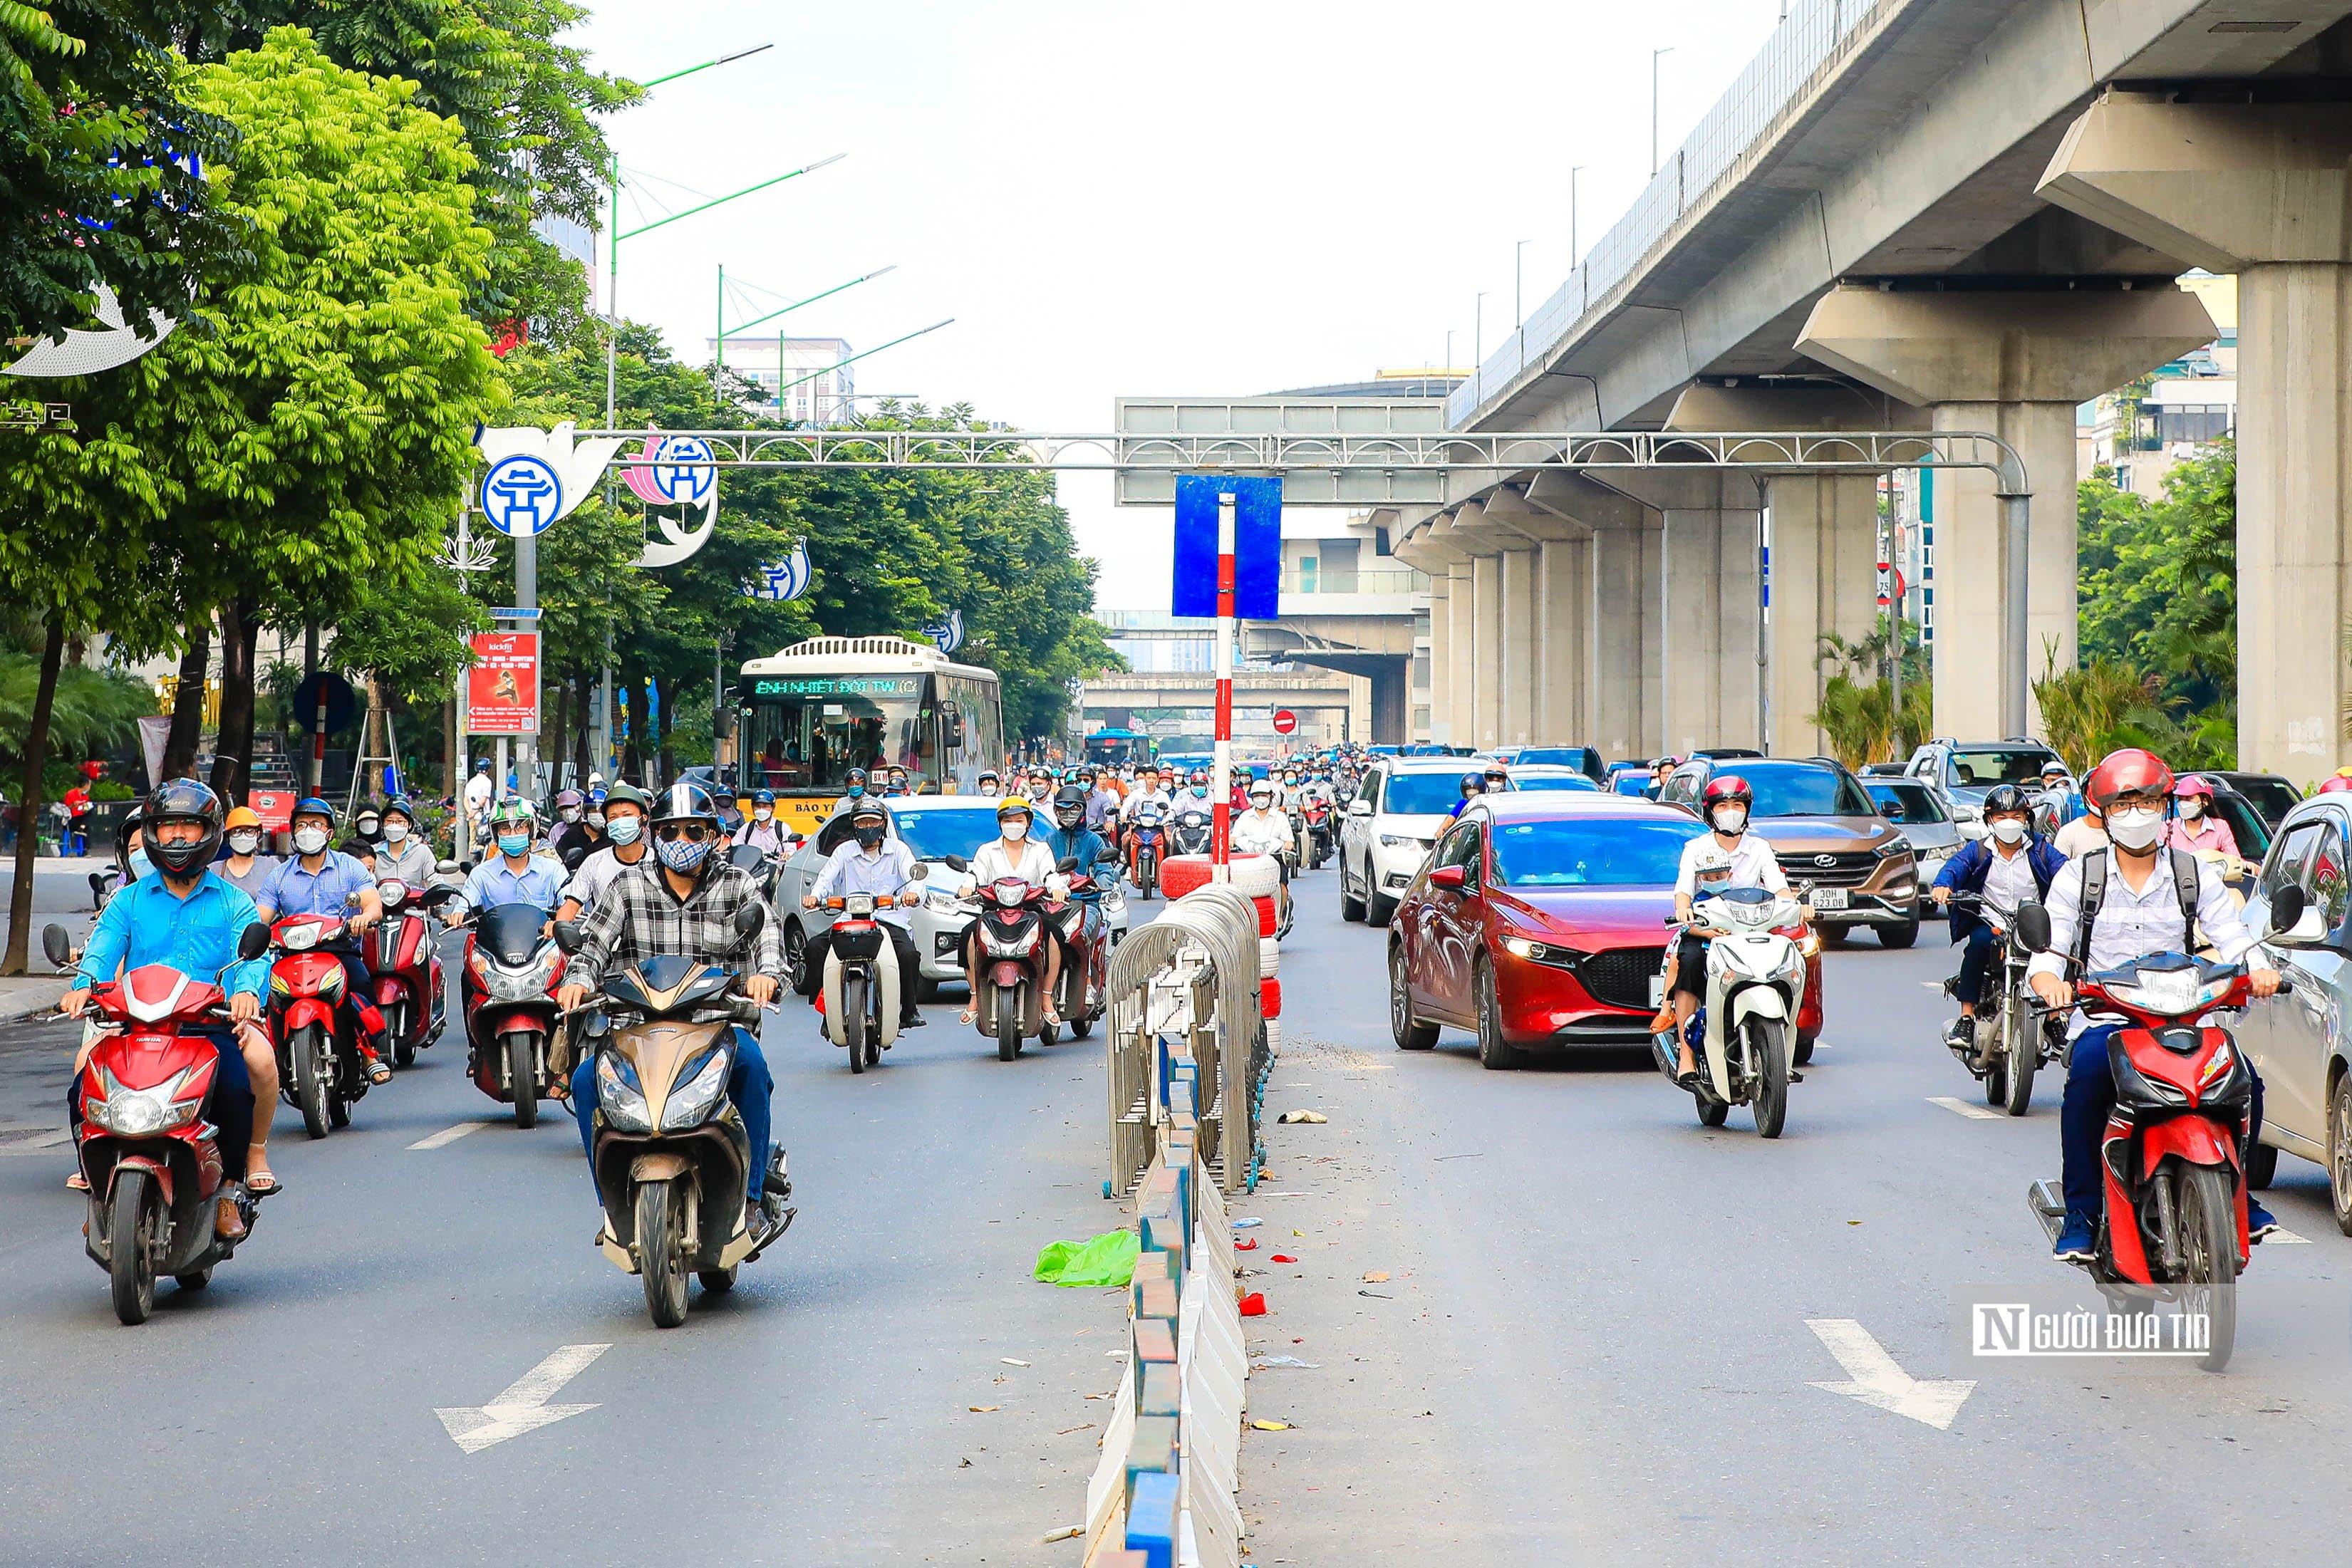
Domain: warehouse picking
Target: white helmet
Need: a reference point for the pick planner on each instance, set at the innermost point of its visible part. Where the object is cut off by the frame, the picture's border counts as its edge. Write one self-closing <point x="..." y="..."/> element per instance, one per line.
<point x="1712" y="864"/>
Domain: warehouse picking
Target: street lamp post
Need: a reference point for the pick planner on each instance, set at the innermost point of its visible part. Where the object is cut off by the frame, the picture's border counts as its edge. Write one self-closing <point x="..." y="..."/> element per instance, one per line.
<point x="1655" y="56"/>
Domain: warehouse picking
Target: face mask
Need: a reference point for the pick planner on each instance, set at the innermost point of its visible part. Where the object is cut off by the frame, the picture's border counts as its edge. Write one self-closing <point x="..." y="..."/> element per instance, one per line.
<point x="988" y="791"/>
<point x="680" y="854"/>
<point x="763" y="815"/>
<point x="855" y="791"/>
<point x="869" y="837"/>
<point x="368" y="826"/>
<point x="570" y="813"/>
<point x="624" y="830"/>
<point x="2192" y="809"/>
<point x="1014" y="831"/>
<point x="2134" y="830"/>
<point x="513" y="843"/>
<point x="1731" y="820"/>
<point x="595" y="818"/>
<point x="243" y="844"/>
<point x="2009" y="830"/>
<point x="311" y="841"/>
<point x="395" y="831"/>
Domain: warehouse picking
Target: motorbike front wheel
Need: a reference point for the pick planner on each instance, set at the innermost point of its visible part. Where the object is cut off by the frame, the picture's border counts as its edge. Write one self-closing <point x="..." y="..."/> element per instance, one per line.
<point x="1008" y="1023"/>
<point x="133" y="1243"/>
<point x="522" y="1074"/>
<point x="2022" y="1054"/>
<point x="661" y="1251"/>
<point x="307" y="1052"/>
<point x="1768" y="1046"/>
<point x="852" y="1019"/>
<point x="2209" y="1236"/>
<point x="396" y="1029"/>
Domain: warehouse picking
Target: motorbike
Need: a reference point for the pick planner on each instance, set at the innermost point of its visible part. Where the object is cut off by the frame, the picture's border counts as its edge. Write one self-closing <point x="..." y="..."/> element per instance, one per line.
<point x="2013" y="1039"/>
<point x="2173" y="1224"/>
<point x="761" y="865"/>
<point x="1317" y="813"/>
<point x="1082" y="990"/>
<point x="1190" y="834"/>
<point x="861" y="983"/>
<point x="1144" y="849"/>
<point x="149" y="1153"/>
<point x="1741" y="1033"/>
<point x="513" y="970"/>
<point x="671" y="1158"/>
<point x="1010" y="930"/>
<point x="320" y="1071"/>
<point x="404" y="967"/>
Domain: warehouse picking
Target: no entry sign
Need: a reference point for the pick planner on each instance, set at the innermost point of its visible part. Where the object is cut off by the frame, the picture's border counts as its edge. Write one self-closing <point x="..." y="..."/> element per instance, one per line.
<point x="1285" y="721"/>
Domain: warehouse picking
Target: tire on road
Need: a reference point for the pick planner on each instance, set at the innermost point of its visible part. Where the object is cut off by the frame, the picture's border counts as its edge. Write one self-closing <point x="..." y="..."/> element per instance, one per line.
<point x="1008" y="1023"/>
<point x="2262" y="1167"/>
<point x="2339" y="1152"/>
<point x="522" y="1071"/>
<point x="661" y="1251"/>
<point x="1768" y="1039"/>
<point x="136" y="1206"/>
<point x="1410" y="1035"/>
<point x="310" y="1083"/>
<point x="2208" y="1235"/>
<point x="1495" y="1053"/>
<point x="1902" y="936"/>
<point x="852" y="1019"/>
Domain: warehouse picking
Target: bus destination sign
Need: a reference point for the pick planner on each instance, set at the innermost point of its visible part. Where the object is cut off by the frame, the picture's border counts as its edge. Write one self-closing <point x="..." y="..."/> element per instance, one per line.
<point x="833" y="685"/>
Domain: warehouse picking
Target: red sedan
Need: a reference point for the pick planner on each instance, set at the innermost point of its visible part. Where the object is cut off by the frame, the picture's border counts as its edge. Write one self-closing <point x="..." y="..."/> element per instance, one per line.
<point x="1539" y="922"/>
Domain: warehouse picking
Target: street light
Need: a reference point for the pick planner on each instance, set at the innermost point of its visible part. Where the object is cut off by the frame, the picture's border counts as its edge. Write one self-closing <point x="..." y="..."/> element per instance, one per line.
<point x="1655" y="54"/>
<point x="724" y="331"/>
<point x="1574" y="170"/>
<point x="1518" y="283"/>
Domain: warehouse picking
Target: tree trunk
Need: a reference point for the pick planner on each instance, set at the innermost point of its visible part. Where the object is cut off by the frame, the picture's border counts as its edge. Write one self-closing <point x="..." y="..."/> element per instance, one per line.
<point x="188" y="703"/>
<point x="562" y="717"/>
<point x="668" y="767"/>
<point x="314" y="753"/>
<point x="583" y="761"/>
<point x="28" y="807"/>
<point x="232" y="749"/>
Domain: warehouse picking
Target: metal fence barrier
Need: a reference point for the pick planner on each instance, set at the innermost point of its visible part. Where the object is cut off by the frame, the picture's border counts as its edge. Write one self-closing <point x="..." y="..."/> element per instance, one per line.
<point x="1191" y="975"/>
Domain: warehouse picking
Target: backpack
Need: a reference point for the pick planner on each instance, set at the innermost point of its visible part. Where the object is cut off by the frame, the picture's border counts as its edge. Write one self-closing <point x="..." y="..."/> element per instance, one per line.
<point x="2185" y="873"/>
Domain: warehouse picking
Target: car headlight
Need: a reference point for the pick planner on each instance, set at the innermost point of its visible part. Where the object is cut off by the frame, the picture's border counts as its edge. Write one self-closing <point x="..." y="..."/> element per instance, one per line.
<point x="142" y="1112"/>
<point x="1896" y="846"/>
<point x="690" y="1104"/>
<point x="1403" y="841"/>
<point x="938" y="900"/>
<point x="623" y="1107"/>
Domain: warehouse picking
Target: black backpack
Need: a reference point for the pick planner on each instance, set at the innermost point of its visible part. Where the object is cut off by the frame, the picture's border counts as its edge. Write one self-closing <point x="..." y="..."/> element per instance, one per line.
<point x="2185" y="873"/>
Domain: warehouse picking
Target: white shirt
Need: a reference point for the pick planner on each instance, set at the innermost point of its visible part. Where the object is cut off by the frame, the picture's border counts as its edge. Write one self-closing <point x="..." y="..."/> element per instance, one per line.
<point x="596" y="873"/>
<point x="478" y="794"/>
<point x="1033" y="862"/>
<point x="2134" y="924"/>
<point x="1752" y="864"/>
<point x="1261" y="833"/>
<point x="2079" y="837"/>
<point x="885" y="872"/>
<point x="2009" y="879"/>
<point x="1161" y="798"/>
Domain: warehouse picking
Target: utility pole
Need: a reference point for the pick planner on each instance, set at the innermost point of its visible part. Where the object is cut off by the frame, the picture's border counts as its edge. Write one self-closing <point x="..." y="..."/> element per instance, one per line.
<point x="1655" y="56"/>
<point x="1574" y="256"/>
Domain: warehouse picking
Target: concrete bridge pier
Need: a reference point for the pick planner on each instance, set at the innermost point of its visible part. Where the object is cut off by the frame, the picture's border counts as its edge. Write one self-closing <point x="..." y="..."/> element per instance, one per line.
<point x="1449" y="619"/>
<point x="2015" y="362"/>
<point x="2264" y="190"/>
<point x="1708" y="607"/>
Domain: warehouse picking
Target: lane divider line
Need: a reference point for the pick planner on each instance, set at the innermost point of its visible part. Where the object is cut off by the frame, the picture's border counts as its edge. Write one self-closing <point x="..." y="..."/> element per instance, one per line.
<point x="1962" y="1108"/>
<point x="448" y="1135"/>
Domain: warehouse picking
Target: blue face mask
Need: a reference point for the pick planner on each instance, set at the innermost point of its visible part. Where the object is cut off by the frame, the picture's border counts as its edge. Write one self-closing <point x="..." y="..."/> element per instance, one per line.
<point x="623" y="830"/>
<point x="681" y="855"/>
<point x="513" y="843"/>
<point x="855" y="791"/>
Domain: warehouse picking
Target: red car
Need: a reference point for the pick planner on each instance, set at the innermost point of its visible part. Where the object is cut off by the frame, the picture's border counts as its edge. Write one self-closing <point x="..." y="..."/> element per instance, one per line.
<point x="1539" y="922"/>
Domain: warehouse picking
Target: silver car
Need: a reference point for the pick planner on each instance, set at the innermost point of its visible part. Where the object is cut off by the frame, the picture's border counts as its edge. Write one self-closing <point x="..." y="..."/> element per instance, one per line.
<point x="2301" y="1042"/>
<point x="934" y="827"/>
<point x="1926" y="823"/>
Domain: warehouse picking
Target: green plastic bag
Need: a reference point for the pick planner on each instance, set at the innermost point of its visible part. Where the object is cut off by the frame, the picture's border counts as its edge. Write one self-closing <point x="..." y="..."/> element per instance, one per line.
<point x="1104" y="1260"/>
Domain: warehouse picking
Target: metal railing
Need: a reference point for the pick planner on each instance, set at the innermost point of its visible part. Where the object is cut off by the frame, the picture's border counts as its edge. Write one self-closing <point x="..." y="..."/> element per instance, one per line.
<point x="1193" y="973"/>
<point x="1381" y="581"/>
<point x="1800" y="56"/>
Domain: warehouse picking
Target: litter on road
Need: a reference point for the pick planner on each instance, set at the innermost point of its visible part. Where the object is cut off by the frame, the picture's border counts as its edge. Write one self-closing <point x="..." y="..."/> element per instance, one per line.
<point x="1104" y="1260"/>
<point x="1309" y="1117"/>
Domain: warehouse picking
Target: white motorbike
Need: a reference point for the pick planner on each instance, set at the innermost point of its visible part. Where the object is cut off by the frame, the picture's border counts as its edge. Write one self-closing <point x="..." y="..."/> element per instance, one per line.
<point x="1746" y="1027"/>
<point x="861" y="978"/>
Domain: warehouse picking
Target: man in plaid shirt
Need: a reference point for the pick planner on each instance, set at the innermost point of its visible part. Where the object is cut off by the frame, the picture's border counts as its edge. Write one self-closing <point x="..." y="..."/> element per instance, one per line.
<point x="682" y="903"/>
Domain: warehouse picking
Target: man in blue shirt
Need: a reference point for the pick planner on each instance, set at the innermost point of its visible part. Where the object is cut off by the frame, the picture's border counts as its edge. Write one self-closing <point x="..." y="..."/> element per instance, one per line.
<point x="317" y="880"/>
<point x="514" y="875"/>
<point x="189" y="917"/>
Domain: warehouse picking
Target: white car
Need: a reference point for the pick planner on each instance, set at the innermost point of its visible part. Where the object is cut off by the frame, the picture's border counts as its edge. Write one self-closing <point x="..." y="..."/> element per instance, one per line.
<point x="1403" y="804"/>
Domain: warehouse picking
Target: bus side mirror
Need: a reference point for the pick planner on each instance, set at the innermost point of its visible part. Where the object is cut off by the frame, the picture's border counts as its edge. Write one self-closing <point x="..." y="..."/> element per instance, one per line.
<point x="2033" y="928"/>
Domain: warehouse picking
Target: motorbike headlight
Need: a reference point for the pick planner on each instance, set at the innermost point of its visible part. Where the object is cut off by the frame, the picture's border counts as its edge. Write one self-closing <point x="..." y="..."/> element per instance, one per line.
<point x="689" y="1105"/>
<point x="1810" y="944"/>
<point x="623" y="1107"/>
<point x="142" y="1112"/>
<point x="300" y="939"/>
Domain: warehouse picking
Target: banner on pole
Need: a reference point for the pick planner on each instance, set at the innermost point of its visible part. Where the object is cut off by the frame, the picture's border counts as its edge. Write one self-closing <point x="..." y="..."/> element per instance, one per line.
<point x="1257" y="544"/>
<point x="502" y="686"/>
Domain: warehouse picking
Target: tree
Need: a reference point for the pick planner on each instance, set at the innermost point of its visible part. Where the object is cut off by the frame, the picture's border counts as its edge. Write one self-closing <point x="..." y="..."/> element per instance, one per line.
<point x="2158" y="581"/>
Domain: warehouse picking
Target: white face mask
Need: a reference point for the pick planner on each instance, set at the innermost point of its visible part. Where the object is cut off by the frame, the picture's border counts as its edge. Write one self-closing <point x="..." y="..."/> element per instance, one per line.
<point x="311" y="841"/>
<point x="763" y="815"/>
<point x="2192" y="809"/>
<point x="1731" y="821"/>
<point x="395" y="831"/>
<point x="2009" y="830"/>
<point x="2134" y="830"/>
<point x="243" y="844"/>
<point x="1014" y="830"/>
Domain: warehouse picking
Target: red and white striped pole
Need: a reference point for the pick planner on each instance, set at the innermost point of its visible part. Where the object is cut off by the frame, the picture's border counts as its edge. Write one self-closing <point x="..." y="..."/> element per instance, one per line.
<point x="1221" y="776"/>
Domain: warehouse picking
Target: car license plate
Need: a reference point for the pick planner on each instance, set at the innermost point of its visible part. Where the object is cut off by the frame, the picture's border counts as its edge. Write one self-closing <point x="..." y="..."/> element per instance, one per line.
<point x="1828" y="898"/>
<point x="1657" y="990"/>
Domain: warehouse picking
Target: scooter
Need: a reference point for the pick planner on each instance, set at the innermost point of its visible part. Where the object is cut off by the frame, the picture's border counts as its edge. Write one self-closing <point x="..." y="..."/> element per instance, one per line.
<point x="1010" y="930"/>
<point x="1082" y="990"/>
<point x="761" y="865"/>
<point x="2171" y="1160"/>
<point x="1741" y="1034"/>
<point x="1317" y="813"/>
<point x="320" y="1071"/>
<point x="1190" y="835"/>
<point x="2013" y="1039"/>
<point x="670" y="1157"/>
<point x="150" y="1156"/>
<point x="1144" y="849"/>
<point x="513" y="970"/>
<point x="860" y="988"/>
<point x="404" y="967"/>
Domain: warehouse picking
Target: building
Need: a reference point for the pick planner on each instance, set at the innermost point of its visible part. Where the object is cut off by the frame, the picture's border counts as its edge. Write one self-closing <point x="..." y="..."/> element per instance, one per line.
<point x="2144" y="431"/>
<point x="819" y="388"/>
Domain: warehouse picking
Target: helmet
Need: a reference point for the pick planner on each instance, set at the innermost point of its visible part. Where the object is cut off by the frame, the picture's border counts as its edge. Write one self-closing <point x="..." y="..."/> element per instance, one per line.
<point x="1710" y="861"/>
<point x="2192" y="785"/>
<point x="1729" y="788"/>
<point x="2334" y="783"/>
<point x="569" y="799"/>
<point x="1069" y="805"/>
<point x="1473" y="784"/>
<point x="2129" y="770"/>
<point x="763" y="797"/>
<point x="398" y="803"/>
<point x="1012" y="806"/>
<point x="2003" y="799"/>
<point x="1260" y="789"/>
<point x="1669" y="762"/>
<point x="2053" y="765"/>
<point x="182" y="800"/>
<point x="854" y="776"/>
<point x="868" y="811"/>
<point x="513" y="808"/>
<point x="482" y="765"/>
<point x="686" y="801"/>
<point x="596" y="795"/>
<point x="311" y="806"/>
<point x="985" y="775"/>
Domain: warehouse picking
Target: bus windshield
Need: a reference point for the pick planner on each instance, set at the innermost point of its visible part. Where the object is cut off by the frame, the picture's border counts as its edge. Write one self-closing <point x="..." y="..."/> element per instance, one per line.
<point x="807" y="732"/>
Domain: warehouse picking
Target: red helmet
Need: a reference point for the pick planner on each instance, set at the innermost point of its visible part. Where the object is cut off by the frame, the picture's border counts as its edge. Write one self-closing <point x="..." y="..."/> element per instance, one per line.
<point x="2334" y="782"/>
<point x="2128" y="772"/>
<point x="1729" y="787"/>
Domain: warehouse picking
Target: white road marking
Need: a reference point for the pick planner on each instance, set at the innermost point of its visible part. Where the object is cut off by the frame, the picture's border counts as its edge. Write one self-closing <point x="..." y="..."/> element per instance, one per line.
<point x="522" y="1406"/>
<point x="448" y="1135"/>
<point x="2283" y="1236"/>
<point x="1932" y="984"/>
<point x="1876" y="1381"/>
<point x="1962" y="1108"/>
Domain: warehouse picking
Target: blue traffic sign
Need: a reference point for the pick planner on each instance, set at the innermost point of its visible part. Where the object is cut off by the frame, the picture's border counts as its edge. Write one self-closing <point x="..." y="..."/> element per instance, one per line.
<point x="1257" y="544"/>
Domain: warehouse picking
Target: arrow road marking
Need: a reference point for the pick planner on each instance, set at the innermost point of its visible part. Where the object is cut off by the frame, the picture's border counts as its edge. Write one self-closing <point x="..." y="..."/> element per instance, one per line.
<point x="1962" y="1108"/>
<point x="1877" y="1381"/>
<point x="448" y="1135"/>
<point x="522" y="1406"/>
<point x="2283" y="1236"/>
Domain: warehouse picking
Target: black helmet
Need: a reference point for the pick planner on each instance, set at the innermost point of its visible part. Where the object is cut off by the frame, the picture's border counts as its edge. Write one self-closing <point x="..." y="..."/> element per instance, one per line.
<point x="868" y="808"/>
<point x="2006" y="798"/>
<point x="1070" y="805"/>
<point x="181" y="801"/>
<point x="684" y="801"/>
<point x="1473" y="784"/>
<point x="399" y="804"/>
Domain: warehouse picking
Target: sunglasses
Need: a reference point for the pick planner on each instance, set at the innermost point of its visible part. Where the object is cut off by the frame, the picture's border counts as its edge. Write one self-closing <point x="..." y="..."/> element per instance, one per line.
<point x="692" y="832"/>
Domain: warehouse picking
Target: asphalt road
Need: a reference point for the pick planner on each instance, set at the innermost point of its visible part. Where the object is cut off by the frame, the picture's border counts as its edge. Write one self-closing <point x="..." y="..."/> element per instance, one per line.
<point x="1592" y="1345"/>
<point x="821" y="1415"/>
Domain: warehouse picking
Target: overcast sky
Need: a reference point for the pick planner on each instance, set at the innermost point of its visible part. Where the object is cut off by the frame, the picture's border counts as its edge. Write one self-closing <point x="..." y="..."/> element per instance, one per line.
<point x="1143" y="199"/>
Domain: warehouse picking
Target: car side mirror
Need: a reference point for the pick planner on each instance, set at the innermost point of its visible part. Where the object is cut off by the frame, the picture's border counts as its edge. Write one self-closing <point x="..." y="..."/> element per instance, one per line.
<point x="2033" y="928"/>
<point x="252" y="942"/>
<point x="1359" y="807"/>
<point x="1452" y="878"/>
<point x="748" y="918"/>
<point x="567" y="935"/>
<point x="56" y="946"/>
<point x="2293" y="921"/>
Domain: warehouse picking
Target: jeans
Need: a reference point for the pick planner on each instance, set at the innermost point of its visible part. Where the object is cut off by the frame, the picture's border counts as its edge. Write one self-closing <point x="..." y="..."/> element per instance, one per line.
<point x="228" y="1105"/>
<point x="749" y="1086"/>
<point x="1976" y="958"/>
<point x="2083" y="1118"/>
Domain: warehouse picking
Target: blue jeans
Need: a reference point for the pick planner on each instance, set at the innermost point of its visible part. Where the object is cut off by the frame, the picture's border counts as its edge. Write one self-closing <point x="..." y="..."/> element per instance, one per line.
<point x="1975" y="956"/>
<point x="2083" y="1118"/>
<point x="749" y="1086"/>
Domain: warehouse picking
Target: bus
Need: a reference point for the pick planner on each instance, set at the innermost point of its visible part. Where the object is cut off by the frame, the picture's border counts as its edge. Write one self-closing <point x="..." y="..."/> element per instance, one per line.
<point x="1115" y="747"/>
<point x="820" y="708"/>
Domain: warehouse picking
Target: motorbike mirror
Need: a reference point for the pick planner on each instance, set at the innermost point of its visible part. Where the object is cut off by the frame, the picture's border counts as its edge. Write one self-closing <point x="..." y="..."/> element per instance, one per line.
<point x="253" y="941"/>
<point x="567" y="937"/>
<point x="748" y="918"/>
<point x="2032" y="927"/>
<point x="446" y="867"/>
<point x="2286" y="907"/>
<point x="1068" y="862"/>
<point x="955" y="863"/>
<point x="922" y="873"/>
<point x="57" y="945"/>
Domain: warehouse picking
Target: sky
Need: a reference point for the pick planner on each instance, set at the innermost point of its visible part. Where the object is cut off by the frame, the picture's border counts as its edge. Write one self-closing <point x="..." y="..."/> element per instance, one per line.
<point x="1207" y="199"/>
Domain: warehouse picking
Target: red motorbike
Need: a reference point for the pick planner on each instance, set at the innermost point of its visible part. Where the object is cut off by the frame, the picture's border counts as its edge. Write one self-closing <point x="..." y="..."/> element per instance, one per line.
<point x="404" y="967"/>
<point x="1082" y="992"/>
<point x="1011" y="933"/>
<point x="150" y="1156"/>
<point x="320" y="1071"/>
<point x="1318" y="813"/>
<point x="2172" y="1156"/>
<point x="513" y="970"/>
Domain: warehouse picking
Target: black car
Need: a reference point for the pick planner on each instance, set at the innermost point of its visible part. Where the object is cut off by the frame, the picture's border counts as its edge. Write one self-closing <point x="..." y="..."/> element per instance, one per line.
<point x="2270" y="795"/>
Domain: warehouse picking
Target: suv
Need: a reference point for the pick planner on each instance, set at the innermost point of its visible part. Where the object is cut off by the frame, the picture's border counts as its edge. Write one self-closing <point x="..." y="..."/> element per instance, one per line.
<point x="1403" y="804"/>
<point x="1965" y="771"/>
<point x="1825" y="829"/>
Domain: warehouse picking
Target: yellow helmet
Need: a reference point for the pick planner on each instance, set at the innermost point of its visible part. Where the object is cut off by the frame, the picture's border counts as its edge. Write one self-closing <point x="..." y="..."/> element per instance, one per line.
<point x="242" y="817"/>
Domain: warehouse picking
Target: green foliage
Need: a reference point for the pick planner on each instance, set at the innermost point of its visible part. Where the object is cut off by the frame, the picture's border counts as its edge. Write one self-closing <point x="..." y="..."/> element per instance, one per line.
<point x="412" y="637"/>
<point x="95" y="709"/>
<point x="1860" y="721"/>
<point x="2104" y="704"/>
<point x="2159" y="582"/>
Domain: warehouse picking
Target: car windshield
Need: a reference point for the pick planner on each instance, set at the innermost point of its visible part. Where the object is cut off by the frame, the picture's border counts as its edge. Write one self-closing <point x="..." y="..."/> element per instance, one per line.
<point x="1420" y="794"/>
<point x="1604" y="851"/>
<point x="2000" y="765"/>
<point x="1561" y="756"/>
<point x="1913" y="804"/>
<point x="933" y="832"/>
<point x="1553" y="781"/>
<point x="1803" y="790"/>
<point x="2273" y="798"/>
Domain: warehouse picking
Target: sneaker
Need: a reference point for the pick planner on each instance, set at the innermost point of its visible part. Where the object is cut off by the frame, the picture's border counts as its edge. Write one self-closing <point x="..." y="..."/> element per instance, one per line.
<point x="2260" y="1221"/>
<point x="1960" y="1034"/>
<point x="2076" y="1240"/>
<point x="917" y="1021"/>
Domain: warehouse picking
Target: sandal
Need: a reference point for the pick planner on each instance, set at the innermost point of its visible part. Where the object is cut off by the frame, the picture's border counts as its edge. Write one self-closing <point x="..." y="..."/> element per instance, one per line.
<point x="1052" y="1018"/>
<point x="379" y="1071"/>
<point x="968" y="1015"/>
<point x="263" y="1184"/>
<point x="76" y="1182"/>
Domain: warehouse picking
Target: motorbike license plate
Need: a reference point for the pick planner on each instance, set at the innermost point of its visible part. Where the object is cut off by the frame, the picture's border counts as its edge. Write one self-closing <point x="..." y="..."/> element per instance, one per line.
<point x="1657" y="990"/>
<point x="1828" y="898"/>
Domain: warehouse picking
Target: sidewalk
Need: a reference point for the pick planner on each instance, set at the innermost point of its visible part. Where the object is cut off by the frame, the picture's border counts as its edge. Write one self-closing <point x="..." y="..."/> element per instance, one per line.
<point x="30" y="994"/>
